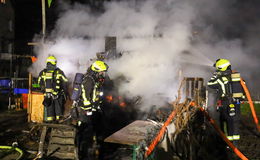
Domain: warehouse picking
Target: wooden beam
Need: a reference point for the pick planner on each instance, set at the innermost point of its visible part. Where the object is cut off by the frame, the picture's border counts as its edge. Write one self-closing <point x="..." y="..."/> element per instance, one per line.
<point x="33" y="43"/>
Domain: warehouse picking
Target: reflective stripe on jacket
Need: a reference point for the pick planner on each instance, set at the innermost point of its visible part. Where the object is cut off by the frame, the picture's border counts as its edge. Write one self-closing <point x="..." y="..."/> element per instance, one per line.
<point x="52" y="80"/>
<point x="90" y="91"/>
<point x="222" y="82"/>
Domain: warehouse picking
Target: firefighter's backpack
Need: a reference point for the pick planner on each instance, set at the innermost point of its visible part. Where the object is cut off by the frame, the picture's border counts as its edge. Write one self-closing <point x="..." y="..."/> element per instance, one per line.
<point x="49" y="81"/>
<point x="237" y="89"/>
<point x="76" y="92"/>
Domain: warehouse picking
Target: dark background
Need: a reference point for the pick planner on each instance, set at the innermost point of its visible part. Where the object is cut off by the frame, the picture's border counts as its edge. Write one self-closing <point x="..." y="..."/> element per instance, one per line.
<point x="245" y="15"/>
<point x="28" y="19"/>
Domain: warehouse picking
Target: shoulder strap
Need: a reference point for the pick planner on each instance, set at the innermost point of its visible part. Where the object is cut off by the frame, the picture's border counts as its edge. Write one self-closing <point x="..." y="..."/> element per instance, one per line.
<point x="55" y="72"/>
<point x="88" y="76"/>
<point x="44" y="70"/>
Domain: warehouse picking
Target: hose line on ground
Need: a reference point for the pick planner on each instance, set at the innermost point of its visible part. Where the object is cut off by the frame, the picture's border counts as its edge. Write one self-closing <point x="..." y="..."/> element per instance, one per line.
<point x="157" y="139"/>
<point x="251" y="104"/>
<point x="13" y="148"/>
<point x="223" y="136"/>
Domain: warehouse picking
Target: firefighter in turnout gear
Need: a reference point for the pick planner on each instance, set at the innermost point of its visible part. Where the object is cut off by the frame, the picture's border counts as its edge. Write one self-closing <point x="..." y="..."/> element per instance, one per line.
<point x="88" y="97"/>
<point x="230" y="93"/>
<point x="54" y="85"/>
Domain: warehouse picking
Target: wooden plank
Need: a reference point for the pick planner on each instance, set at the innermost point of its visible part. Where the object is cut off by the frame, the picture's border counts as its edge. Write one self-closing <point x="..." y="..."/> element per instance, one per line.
<point x="37" y="108"/>
<point x="132" y="133"/>
<point x="61" y="148"/>
<point x="29" y="101"/>
<point x="192" y="89"/>
<point x="187" y="89"/>
<point x="41" y="143"/>
<point x="59" y="140"/>
<point x="53" y="125"/>
<point x="64" y="155"/>
<point x="63" y="133"/>
<point x="62" y="142"/>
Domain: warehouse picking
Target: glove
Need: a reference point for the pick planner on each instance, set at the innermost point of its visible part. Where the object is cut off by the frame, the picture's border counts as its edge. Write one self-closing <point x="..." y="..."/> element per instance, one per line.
<point x="74" y="113"/>
<point x="96" y="107"/>
<point x="216" y="74"/>
<point x="74" y="104"/>
<point x="232" y="111"/>
<point x="47" y="101"/>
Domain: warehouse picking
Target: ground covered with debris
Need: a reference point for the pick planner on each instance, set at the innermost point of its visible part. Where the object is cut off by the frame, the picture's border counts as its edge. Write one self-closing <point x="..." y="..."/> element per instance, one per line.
<point x="200" y="141"/>
<point x="250" y="138"/>
<point x="14" y="128"/>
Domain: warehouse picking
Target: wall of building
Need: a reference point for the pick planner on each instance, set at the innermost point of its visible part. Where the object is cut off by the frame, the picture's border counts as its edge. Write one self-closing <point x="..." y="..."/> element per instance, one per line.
<point x="6" y="26"/>
<point x="6" y="36"/>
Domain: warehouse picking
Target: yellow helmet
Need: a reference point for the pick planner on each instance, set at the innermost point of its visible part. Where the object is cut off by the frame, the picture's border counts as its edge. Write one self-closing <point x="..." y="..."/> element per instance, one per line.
<point x="52" y="60"/>
<point x="99" y="66"/>
<point x="222" y="64"/>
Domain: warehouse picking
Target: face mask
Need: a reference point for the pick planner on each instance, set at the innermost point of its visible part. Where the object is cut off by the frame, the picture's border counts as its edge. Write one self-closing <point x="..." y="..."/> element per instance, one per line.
<point x="50" y="66"/>
<point x="101" y="74"/>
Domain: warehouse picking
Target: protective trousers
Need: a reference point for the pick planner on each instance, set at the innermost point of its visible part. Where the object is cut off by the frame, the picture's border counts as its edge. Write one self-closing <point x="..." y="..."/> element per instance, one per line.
<point x="55" y="108"/>
<point x="232" y="122"/>
<point x="86" y="133"/>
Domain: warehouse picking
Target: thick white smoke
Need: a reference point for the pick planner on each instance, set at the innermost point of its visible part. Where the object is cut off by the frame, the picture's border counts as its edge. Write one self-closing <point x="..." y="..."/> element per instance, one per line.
<point x="160" y="37"/>
<point x="73" y="54"/>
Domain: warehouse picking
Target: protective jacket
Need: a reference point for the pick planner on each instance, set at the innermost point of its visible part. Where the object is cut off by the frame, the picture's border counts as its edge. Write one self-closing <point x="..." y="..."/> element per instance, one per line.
<point x="227" y="84"/>
<point x="92" y="91"/>
<point x="222" y="82"/>
<point x="53" y="81"/>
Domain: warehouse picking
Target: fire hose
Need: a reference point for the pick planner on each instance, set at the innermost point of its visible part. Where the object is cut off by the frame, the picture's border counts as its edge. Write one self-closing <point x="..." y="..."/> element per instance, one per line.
<point x="157" y="139"/>
<point x="236" y="151"/>
<point x="159" y="135"/>
<point x="11" y="149"/>
<point x="168" y="121"/>
<point x="223" y="136"/>
<point x="251" y="104"/>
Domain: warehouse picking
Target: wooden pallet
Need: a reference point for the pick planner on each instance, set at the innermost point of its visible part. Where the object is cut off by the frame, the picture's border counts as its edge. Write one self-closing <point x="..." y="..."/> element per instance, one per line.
<point x="59" y="140"/>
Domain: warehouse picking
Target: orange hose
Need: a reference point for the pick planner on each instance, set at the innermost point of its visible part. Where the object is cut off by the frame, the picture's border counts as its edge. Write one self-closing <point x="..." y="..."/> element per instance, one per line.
<point x="171" y="116"/>
<point x="251" y="104"/>
<point x="159" y="135"/>
<point x="236" y="151"/>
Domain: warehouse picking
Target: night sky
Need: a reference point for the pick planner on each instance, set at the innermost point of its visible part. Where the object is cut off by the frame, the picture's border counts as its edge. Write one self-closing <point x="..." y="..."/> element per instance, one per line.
<point x="28" y="20"/>
<point x="27" y="23"/>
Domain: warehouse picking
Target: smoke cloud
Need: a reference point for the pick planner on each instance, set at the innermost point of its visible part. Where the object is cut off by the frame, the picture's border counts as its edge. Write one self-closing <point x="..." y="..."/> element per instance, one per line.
<point x="157" y="40"/>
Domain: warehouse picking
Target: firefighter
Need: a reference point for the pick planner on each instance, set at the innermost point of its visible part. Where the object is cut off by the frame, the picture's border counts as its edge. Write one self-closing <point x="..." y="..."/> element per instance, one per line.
<point x="230" y="94"/>
<point x="89" y="106"/>
<point x="54" y="85"/>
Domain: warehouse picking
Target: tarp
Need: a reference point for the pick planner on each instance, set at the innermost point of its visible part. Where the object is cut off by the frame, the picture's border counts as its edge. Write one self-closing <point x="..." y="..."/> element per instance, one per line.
<point x="20" y="90"/>
<point x="5" y="83"/>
